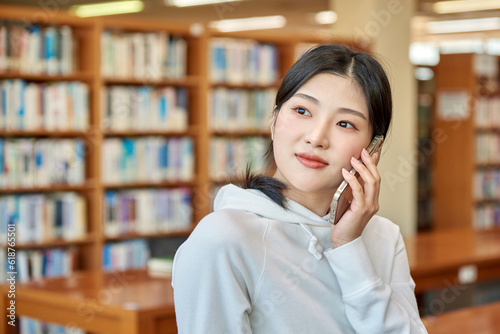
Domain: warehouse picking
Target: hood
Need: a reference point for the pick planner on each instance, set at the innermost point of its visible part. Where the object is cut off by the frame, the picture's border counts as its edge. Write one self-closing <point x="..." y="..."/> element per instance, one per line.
<point x="254" y="201"/>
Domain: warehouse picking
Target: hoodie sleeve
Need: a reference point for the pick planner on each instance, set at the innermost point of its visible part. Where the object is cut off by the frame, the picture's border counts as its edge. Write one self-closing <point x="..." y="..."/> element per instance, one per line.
<point x="373" y="304"/>
<point x="212" y="277"/>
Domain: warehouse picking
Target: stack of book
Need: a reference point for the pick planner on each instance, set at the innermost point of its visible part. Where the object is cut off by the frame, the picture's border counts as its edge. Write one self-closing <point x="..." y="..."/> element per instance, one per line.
<point x="239" y="61"/>
<point x="230" y="156"/>
<point x="41" y="162"/>
<point x="147" y="211"/>
<point x="145" y="108"/>
<point x="147" y="159"/>
<point x="147" y="56"/>
<point x="33" y="49"/>
<point x="488" y="148"/>
<point x="36" y="264"/>
<point x="125" y="255"/>
<point x="50" y="106"/>
<point x="241" y="109"/>
<point x="40" y="218"/>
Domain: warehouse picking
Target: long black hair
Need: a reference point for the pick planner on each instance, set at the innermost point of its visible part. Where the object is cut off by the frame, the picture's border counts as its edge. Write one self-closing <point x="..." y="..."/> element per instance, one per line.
<point x="342" y="61"/>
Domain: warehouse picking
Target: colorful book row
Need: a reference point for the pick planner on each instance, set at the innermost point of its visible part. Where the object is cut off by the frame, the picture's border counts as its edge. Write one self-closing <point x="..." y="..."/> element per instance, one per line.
<point x="230" y="156"/>
<point x="49" y="106"/>
<point x="241" y="109"/>
<point x="34" y="326"/>
<point x="40" y="218"/>
<point x="145" y="108"/>
<point x="147" y="159"/>
<point x="486" y="113"/>
<point x="148" y="56"/>
<point x="147" y="211"/>
<point x="239" y="61"/>
<point x="487" y="216"/>
<point x="36" y="264"/>
<point x="29" y="162"/>
<point x="125" y="255"/>
<point x="487" y="184"/>
<point x="488" y="148"/>
<point x="33" y="49"/>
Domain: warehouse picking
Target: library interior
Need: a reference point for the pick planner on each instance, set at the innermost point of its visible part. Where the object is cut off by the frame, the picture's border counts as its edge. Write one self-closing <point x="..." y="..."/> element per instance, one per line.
<point x="140" y="111"/>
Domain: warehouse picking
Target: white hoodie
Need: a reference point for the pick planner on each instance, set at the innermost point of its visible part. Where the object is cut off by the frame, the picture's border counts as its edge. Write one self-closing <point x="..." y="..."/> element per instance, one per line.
<point x="254" y="267"/>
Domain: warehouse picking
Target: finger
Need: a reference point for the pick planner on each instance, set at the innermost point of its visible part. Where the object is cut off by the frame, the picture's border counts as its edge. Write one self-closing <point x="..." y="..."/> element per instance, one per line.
<point x="371" y="163"/>
<point x="372" y="181"/>
<point x="363" y="170"/>
<point x="357" y="189"/>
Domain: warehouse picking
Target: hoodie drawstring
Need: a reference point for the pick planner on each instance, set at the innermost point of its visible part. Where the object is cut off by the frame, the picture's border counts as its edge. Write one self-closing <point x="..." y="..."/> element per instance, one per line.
<point x="314" y="248"/>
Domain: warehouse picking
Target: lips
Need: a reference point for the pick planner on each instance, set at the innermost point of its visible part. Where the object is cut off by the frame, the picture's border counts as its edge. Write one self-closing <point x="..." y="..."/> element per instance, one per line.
<point x="311" y="160"/>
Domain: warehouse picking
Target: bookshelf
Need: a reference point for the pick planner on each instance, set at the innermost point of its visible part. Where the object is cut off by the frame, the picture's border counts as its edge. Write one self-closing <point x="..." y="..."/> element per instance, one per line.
<point x="142" y="110"/>
<point x="465" y="165"/>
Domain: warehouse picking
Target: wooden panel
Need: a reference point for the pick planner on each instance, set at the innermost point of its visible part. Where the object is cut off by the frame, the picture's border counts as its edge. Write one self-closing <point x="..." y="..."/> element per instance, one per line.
<point x="453" y="163"/>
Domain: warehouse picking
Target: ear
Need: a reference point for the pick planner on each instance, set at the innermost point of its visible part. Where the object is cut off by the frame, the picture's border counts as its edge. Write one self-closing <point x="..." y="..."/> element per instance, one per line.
<point x="273" y="123"/>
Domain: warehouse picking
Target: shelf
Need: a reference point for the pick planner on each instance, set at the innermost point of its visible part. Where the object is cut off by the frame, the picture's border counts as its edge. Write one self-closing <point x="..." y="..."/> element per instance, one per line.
<point x="45" y="77"/>
<point x="488" y="165"/>
<point x="487" y="129"/>
<point x="160" y="184"/>
<point x="52" y="188"/>
<point x="245" y="85"/>
<point x="191" y="131"/>
<point x="241" y="133"/>
<point x="128" y="236"/>
<point x="55" y="243"/>
<point x="190" y="81"/>
<point x="44" y="133"/>
<point x="487" y="201"/>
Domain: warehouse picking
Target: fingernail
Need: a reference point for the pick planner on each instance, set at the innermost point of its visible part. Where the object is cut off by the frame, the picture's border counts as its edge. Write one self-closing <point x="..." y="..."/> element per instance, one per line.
<point x="344" y="171"/>
<point x="354" y="160"/>
<point x="365" y="152"/>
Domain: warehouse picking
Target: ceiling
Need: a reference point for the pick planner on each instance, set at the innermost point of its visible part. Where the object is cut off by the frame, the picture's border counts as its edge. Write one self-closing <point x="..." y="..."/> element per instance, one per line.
<point x="299" y="13"/>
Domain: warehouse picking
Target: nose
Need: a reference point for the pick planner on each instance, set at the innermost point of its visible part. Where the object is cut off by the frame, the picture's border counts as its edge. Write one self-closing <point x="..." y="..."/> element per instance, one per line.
<point x="317" y="136"/>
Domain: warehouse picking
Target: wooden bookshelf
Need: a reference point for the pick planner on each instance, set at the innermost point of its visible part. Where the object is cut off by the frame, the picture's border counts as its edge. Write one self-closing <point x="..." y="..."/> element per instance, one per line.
<point x="455" y="163"/>
<point x="197" y="82"/>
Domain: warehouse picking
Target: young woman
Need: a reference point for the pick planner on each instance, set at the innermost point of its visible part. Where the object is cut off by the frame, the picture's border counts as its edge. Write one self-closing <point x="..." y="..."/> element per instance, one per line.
<point x="267" y="260"/>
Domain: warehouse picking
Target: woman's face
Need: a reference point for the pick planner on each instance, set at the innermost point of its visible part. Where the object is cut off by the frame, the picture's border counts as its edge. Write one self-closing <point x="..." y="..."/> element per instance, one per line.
<point x="317" y="131"/>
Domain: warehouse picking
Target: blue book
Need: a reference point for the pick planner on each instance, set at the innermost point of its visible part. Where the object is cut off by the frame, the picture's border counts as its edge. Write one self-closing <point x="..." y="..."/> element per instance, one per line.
<point x="106" y="257"/>
<point x="162" y="108"/>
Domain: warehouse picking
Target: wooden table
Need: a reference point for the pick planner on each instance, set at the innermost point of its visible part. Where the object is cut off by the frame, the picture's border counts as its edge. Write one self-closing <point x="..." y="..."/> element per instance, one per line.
<point x="436" y="258"/>
<point x="482" y="319"/>
<point x="129" y="302"/>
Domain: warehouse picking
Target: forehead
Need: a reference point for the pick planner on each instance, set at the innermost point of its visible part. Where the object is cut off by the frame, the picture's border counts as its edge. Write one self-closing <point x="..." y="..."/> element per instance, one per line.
<point x="342" y="91"/>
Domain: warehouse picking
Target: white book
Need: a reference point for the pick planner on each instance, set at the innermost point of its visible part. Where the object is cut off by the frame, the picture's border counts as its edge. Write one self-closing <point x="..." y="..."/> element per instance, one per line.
<point x="139" y="55"/>
<point x="66" y="62"/>
<point x="35" y="51"/>
<point x="17" y="104"/>
<point x="3" y="264"/>
<point x="11" y="163"/>
<point x="187" y="168"/>
<point x="22" y="229"/>
<point x="106" y="54"/>
<point x="23" y="274"/>
<point x="152" y="60"/>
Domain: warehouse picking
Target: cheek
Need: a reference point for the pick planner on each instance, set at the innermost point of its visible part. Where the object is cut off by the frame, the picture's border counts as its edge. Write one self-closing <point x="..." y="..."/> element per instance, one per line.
<point x="348" y="149"/>
<point x="285" y="130"/>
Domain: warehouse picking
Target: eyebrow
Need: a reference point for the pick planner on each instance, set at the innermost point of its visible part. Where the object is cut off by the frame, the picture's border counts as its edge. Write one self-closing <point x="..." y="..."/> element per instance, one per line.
<point x="342" y="110"/>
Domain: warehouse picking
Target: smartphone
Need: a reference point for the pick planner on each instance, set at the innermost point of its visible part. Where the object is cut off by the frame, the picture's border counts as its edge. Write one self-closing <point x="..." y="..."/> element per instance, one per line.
<point x="343" y="196"/>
